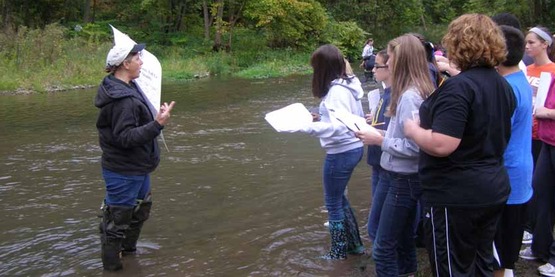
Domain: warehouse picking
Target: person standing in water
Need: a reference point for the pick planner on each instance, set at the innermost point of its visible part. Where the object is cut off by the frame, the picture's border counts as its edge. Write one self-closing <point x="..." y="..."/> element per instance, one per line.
<point x="127" y="126"/>
<point x="337" y="91"/>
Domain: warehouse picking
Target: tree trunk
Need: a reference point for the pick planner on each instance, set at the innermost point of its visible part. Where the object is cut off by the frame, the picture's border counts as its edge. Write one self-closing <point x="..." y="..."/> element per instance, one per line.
<point x="218" y="20"/>
<point x="87" y="11"/>
<point x="179" y="19"/>
<point x="207" y="24"/>
<point x="93" y="11"/>
<point x="233" y="17"/>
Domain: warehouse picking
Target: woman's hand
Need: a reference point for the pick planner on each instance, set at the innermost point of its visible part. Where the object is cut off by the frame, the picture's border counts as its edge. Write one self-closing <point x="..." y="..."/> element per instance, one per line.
<point x="369" y="138"/>
<point x="544" y="113"/>
<point x="368" y="118"/>
<point x="164" y="114"/>
<point x="315" y="117"/>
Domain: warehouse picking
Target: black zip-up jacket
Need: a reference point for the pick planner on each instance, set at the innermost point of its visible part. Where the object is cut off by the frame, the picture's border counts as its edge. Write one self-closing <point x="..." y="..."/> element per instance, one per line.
<point x="126" y="127"/>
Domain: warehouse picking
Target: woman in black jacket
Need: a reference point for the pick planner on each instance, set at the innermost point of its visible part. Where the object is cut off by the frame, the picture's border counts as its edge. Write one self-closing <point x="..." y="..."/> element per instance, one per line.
<point x="127" y="129"/>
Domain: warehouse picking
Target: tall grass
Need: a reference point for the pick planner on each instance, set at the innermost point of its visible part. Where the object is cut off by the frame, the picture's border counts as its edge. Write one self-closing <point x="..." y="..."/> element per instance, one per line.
<point x="46" y="59"/>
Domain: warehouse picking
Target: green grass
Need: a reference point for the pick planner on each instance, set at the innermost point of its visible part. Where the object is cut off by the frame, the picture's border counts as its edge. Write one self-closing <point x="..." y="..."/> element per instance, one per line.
<point x="83" y="65"/>
<point x="32" y="62"/>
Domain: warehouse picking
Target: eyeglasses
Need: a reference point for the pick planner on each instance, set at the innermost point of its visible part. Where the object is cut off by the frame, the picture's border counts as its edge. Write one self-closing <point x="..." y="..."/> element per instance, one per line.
<point x="380" y="66"/>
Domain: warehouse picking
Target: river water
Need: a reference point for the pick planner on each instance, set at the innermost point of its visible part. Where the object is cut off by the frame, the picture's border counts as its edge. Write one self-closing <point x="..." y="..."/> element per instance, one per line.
<point x="232" y="197"/>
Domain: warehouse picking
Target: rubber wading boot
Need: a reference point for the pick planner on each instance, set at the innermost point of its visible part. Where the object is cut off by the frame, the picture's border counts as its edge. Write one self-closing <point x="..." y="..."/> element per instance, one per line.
<point x="338" y="234"/>
<point x="115" y="220"/>
<point x="140" y="215"/>
<point x="354" y="242"/>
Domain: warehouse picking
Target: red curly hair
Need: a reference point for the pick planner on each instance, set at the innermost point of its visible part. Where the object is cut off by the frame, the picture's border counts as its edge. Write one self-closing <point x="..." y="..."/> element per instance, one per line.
<point x="474" y="40"/>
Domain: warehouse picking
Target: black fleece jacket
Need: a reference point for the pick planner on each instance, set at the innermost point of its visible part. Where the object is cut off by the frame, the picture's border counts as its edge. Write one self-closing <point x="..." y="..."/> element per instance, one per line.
<point x="126" y="127"/>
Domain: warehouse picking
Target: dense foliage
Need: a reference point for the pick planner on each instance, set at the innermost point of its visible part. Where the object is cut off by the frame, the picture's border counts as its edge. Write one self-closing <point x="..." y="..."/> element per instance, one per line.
<point x="224" y="36"/>
<point x="284" y="23"/>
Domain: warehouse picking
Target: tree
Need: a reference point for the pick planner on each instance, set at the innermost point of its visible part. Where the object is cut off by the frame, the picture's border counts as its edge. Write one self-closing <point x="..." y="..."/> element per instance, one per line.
<point x="288" y="23"/>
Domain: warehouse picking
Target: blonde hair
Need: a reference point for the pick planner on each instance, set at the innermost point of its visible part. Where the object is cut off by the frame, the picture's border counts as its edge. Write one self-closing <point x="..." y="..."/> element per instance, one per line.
<point x="348" y="68"/>
<point x="474" y="40"/>
<point x="409" y="68"/>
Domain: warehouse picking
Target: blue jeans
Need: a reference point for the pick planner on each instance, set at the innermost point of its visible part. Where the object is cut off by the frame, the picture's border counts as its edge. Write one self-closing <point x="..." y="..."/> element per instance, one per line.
<point x="394" y="247"/>
<point x="337" y="171"/>
<point x="381" y="176"/>
<point x="124" y="190"/>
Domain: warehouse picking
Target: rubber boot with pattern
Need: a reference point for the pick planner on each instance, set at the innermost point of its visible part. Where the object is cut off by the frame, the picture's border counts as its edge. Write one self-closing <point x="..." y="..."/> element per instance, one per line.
<point x="354" y="242"/>
<point x="338" y="234"/>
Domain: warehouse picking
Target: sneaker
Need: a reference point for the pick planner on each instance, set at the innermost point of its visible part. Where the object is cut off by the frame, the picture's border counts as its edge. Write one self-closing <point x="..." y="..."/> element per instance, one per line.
<point x="547" y="270"/>
<point x="527" y="254"/>
<point x="527" y="238"/>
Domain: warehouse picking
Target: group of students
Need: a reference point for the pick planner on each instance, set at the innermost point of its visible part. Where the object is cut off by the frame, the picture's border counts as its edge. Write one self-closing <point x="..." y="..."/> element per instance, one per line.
<point x="461" y="148"/>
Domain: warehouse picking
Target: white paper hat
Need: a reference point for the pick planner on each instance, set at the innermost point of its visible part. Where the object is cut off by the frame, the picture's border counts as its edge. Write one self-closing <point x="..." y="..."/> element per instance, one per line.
<point x="118" y="53"/>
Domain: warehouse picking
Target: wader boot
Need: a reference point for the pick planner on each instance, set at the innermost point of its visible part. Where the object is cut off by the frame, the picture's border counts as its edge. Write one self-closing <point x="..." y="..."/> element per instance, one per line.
<point x="140" y="215"/>
<point x="115" y="221"/>
<point x="354" y="242"/>
<point x="338" y="234"/>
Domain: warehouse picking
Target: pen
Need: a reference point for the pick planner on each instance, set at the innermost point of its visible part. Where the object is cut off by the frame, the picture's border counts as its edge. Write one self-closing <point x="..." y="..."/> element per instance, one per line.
<point x="357" y="126"/>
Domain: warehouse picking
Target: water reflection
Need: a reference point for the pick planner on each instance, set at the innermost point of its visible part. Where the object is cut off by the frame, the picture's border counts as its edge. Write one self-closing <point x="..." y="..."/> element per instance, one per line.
<point x="231" y="198"/>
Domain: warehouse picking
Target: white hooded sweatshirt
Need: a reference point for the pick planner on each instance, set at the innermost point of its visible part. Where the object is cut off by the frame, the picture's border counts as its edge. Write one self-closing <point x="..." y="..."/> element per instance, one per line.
<point x="344" y="94"/>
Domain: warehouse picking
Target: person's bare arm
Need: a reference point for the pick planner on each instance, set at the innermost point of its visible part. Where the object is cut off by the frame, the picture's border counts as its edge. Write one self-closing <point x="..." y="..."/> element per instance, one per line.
<point x="545" y="113"/>
<point x="434" y="144"/>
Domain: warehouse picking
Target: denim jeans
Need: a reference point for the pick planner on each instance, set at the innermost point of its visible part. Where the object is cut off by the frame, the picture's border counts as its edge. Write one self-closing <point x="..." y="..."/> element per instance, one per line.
<point x="394" y="247"/>
<point x="543" y="245"/>
<point x="337" y="171"/>
<point x="381" y="177"/>
<point x="124" y="190"/>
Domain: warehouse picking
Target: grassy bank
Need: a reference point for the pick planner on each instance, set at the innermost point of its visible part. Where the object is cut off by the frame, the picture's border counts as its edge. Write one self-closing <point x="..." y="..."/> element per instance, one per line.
<point x="84" y="67"/>
<point x="46" y="60"/>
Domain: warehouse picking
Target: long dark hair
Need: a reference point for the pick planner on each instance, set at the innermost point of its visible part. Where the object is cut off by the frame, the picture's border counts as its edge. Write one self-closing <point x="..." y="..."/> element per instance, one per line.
<point x="328" y="64"/>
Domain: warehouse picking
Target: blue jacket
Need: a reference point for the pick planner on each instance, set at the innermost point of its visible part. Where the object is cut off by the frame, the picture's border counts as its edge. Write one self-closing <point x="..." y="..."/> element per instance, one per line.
<point x="375" y="151"/>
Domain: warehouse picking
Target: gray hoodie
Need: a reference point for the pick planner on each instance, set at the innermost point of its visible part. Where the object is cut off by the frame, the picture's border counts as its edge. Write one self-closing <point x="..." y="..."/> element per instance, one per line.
<point x="400" y="154"/>
<point x="334" y="136"/>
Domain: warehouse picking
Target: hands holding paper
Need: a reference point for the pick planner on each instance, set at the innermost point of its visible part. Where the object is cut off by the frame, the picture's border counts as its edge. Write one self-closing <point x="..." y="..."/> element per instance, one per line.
<point x="369" y="137"/>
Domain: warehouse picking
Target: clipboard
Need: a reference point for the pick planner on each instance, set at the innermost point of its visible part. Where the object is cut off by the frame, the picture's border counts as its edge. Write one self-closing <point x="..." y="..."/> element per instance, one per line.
<point x="353" y="122"/>
<point x="291" y="118"/>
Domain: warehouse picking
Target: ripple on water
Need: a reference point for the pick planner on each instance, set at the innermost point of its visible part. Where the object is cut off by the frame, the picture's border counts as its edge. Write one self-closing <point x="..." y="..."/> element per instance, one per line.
<point x="56" y="251"/>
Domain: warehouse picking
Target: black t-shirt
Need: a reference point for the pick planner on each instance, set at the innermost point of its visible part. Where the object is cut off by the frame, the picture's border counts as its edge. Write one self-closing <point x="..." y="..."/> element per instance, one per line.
<point x="475" y="106"/>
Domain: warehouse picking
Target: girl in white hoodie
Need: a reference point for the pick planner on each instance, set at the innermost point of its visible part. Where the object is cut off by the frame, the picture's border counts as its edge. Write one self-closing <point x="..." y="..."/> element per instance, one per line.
<point x="337" y="92"/>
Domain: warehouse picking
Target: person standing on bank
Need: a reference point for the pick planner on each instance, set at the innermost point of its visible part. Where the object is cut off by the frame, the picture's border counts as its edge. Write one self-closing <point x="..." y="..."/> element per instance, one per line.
<point x="378" y="119"/>
<point x="337" y="91"/>
<point x="394" y="249"/>
<point x="465" y="129"/>
<point x="517" y="157"/>
<point x="368" y="60"/>
<point x="127" y="126"/>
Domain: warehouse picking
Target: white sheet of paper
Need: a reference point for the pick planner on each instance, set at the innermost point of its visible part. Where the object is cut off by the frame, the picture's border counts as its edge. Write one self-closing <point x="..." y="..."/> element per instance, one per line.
<point x="373" y="99"/>
<point x="543" y="87"/>
<point x="290" y="119"/>
<point x="353" y="122"/>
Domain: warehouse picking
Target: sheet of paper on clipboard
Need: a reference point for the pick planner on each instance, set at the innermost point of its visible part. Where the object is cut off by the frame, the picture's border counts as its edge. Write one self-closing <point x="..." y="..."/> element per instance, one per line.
<point x="353" y="122"/>
<point x="291" y="118"/>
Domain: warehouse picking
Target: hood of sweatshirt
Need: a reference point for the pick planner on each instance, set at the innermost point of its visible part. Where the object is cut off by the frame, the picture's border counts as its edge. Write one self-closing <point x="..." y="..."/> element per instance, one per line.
<point x="110" y="90"/>
<point x="352" y="84"/>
